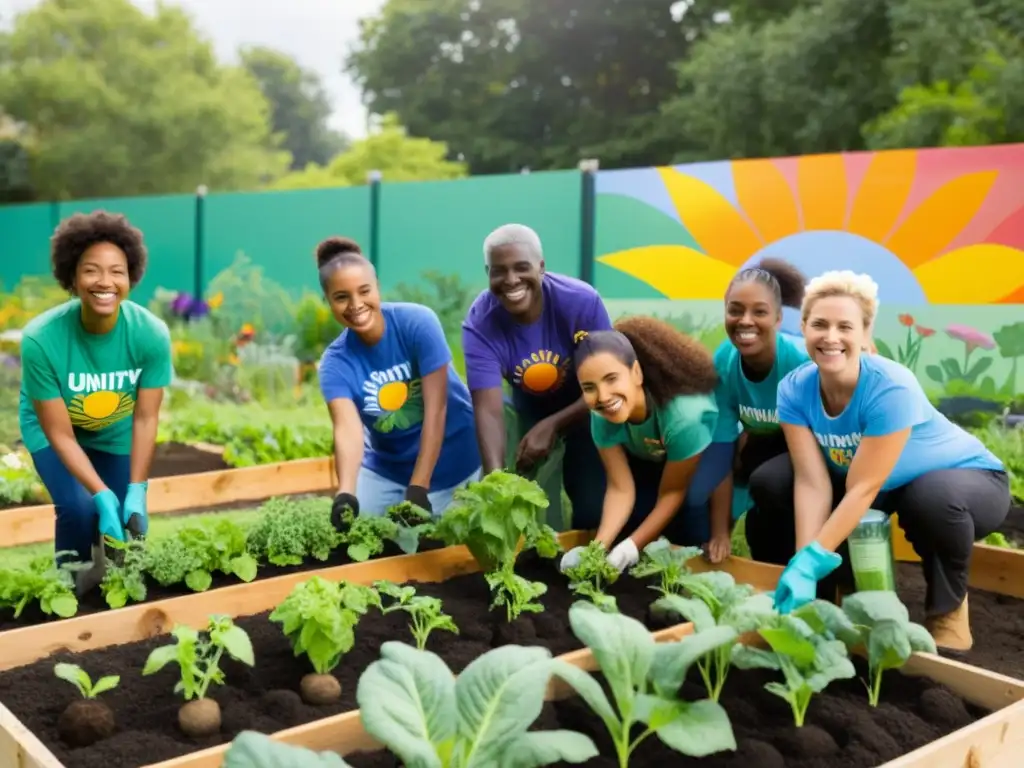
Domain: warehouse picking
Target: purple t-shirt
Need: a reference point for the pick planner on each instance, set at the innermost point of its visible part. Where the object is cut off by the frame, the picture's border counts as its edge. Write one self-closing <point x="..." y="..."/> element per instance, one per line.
<point x="535" y="359"/>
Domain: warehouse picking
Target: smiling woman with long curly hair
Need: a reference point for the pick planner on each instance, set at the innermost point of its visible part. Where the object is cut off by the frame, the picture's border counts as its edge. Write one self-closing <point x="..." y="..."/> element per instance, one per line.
<point x="650" y="390"/>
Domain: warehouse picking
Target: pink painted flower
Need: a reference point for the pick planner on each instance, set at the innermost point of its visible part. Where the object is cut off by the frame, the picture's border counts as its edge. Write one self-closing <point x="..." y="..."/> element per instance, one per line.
<point x="973" y="338"/>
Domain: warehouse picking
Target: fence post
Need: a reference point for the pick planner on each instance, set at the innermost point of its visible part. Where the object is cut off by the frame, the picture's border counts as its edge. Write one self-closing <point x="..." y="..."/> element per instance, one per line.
<point x="588" y="218"/>
<point x="197" y="248"/>
<point x="373" y="178"/>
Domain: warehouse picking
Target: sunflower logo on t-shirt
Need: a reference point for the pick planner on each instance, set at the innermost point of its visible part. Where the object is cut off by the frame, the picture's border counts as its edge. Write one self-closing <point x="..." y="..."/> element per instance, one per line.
<point x="98" y="410"/>
<point x="541" y="372"/>
<point x="396" y="399"/>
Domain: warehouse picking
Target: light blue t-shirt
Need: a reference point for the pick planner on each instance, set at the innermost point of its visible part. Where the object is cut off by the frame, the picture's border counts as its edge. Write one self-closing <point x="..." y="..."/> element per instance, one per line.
<point x="888" y="398"/>
<point x="751" y="405"/>
<point x="385" y="383"/>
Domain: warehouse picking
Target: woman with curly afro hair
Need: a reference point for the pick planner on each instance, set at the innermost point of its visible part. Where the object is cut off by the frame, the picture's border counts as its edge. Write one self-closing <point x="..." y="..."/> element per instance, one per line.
<point x="650" y="390"/>
<point x="93" y="374"/>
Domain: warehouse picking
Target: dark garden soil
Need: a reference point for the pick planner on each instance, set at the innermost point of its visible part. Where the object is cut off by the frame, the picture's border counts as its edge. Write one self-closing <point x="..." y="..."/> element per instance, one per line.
<point x="265" y="698"/>
<point x="841" y="730"/>
<point x="997" y="623"/>
<point x="172" y="459"/>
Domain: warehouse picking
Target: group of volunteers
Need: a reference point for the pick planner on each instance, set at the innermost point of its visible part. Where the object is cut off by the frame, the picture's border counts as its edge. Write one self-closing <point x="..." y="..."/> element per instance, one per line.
<point x="658" y="436"/>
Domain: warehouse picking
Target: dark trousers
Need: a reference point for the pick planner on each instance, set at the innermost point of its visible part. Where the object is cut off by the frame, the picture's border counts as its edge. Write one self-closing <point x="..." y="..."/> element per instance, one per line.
<point x="77" y="524"/>
<point x="942" y="513"/>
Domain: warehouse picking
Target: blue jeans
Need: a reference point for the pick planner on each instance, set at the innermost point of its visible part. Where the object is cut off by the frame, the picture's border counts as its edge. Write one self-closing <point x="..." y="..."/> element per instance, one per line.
<point x="76" y="524"/>
<point x="376" y="493"/>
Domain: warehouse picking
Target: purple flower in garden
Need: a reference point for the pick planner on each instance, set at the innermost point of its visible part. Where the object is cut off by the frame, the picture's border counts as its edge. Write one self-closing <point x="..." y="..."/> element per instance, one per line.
<point x="972" y="337"/>
<point x="10" y="361"/>
<point x="189" y="308"/>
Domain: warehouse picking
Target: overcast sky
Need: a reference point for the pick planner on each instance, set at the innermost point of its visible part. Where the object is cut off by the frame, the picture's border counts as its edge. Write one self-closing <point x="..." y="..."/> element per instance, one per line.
<point x="317" y="33"/>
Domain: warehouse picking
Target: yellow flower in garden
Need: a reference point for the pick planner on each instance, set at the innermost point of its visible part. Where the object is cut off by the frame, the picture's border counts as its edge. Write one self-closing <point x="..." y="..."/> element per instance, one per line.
<point x="216" y="300"/>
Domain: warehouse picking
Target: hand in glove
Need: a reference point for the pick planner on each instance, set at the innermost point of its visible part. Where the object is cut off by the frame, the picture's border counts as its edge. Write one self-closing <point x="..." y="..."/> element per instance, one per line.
<point x="341" y="502"/>
<point x="624" y="555"/>
<point x="134" y="516"/>
<point x="417" y="494"/>
<point x="798" y="584"/>
<point x="108" y="509"/>
<point x="570" y="559"/>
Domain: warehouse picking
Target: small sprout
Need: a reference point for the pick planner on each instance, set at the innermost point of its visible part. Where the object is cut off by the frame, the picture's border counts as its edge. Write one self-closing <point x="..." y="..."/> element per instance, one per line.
<point x="669" y="563"/>
<point x="86" y="720"/>
<point x="425" y="611"/>
<point x="590" y="576"/>
<point x="517" y="594"/>
<point x="78" y="677"/>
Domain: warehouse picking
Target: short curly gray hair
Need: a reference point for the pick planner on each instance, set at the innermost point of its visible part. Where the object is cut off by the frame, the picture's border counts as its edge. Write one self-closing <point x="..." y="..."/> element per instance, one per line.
<point x="513" y="234"/>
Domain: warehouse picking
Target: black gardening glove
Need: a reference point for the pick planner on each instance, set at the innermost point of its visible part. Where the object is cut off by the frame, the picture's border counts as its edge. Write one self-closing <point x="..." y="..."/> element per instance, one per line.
<point x="341" y="502"/>
<point x="417" y="494"/>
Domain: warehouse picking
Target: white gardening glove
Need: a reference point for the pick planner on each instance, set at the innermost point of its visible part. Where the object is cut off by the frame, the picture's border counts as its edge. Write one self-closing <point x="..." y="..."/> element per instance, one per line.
<point x="624" y="555"/>
<point x="570" y="559"/>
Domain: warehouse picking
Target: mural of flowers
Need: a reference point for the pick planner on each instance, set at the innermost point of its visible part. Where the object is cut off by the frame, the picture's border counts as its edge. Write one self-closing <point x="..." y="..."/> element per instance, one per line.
<point x="1010" y="339"/>
<point x="936" y="226"/>
<point x="950" y="369"/>
<point x="908" y="353"/>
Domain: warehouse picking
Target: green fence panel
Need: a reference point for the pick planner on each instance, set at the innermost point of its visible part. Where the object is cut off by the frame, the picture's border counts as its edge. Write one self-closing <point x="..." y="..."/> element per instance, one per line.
<point x="168" y="225"/>
<point x="279" y="231"/>
<point x="24" y="241"/>
<point x="442" y="225"/>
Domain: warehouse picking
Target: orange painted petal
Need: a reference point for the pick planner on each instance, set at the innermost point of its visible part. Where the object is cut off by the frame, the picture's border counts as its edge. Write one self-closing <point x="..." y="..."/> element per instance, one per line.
<point x="821" y="183"/>
<point x="882" y="194"/>
<point x="975" y="274"/>
<point x="1017" y="297"/>
<point x="711" y="219"/>
<point x="938" y="220"/>
<point x="676" y="271"/>
<point x="766" y="197"/>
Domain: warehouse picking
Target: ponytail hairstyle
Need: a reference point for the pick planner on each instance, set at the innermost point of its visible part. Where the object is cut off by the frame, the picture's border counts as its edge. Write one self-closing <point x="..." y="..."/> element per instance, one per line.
<point x="782" y="279"/>
<point x="672" y="363"/>
<point x="337" y="252"/>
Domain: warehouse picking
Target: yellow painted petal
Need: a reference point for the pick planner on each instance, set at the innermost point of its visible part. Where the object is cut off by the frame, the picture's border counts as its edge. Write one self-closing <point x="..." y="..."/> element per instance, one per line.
<point x="715" y="224"/>
<point x="882" y="194"/>
<point x="930" y="229"/>
<point x="767" y="198"/>
<point x="821" y="183"/>
<point x="975" y="274"/>
<point x="677" y="271"/>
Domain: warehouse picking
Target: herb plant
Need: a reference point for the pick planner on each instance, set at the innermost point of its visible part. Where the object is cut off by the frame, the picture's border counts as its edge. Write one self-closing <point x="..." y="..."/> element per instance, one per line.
<point x="125" y="579"/>
<point x="194" y="554"/>
<point x="590" y="576"/>
<point x="424" y="611"/>
<point x="410" y="701"/>
<point x="78" y="677"/>
<point x="287" y="532"/>
<point x="644" y="678"/>
<point x="667" y="562"/>
<point x="412" y="525"/>
<point x="44" y="582"/>
<point x="364" y="535"/>
<point x="517" y="594"/>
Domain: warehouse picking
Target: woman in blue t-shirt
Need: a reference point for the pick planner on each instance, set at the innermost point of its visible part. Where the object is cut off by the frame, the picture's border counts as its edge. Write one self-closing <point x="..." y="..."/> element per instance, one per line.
<point x="862" y="435"/>
<point x="750" y="364"/>
<point x="389" y="376"/>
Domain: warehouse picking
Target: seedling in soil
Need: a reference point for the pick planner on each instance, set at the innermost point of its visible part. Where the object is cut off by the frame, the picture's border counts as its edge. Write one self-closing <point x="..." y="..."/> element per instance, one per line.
<point x="808" y="660"/>
<point x="667" y="562"/>
<point x="877" y="622"/>
<point x="198" y="661"/>
<point x="125" y="578"/>
<point x="517" y="594"/>
<point x="319" y="618"/>
<point x="592" y="574"/>
<point x="410" y="701"/>
<point x="412" y="524"/>
<point x="644" y="678"/>
<point x="86" y="720"/>
<point x="425" y="611"/>
<point x="257" y="750"/>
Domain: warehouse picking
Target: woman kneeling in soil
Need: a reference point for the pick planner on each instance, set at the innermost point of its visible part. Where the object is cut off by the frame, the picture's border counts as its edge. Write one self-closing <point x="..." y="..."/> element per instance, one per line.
<point x="390" y="372"/>
<point x="650" y="391"/>
<point x="862" y="435"/>
<point x="93" y="375"/>
<point x="750" y="364"/>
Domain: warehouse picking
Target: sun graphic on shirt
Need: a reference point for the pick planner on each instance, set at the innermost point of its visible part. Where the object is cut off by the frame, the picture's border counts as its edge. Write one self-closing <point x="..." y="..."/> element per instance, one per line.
<point x="98" y="410"/>
<point x="395" y="404"/>
<point x="393" y="395"/>
<point x="541" y="372"/>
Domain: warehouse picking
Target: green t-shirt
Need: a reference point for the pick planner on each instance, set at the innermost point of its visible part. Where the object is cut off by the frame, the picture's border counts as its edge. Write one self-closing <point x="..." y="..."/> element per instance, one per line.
<point x="97" y="375"/>
<point x="679" y="430"/>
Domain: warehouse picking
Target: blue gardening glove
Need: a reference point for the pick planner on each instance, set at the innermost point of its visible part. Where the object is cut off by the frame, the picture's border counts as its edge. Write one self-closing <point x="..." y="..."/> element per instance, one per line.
<point x="108" y="508"/>
<point x="798" y="584"/>
<point x="136" y="521"/>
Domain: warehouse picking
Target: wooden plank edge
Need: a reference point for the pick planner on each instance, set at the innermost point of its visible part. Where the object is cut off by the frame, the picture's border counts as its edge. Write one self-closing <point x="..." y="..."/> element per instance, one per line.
<point x="145" y="620"/>
<point x="34" y="524"/>
<point x="19" y="747"/>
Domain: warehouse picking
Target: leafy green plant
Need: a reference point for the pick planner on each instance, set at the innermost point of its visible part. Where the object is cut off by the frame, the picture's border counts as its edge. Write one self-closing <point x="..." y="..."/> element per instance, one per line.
<point x="589" y="577"/>
<point x="287" y="532"/>
<point x="250" y="749"/>
<point x="410" y="701"/>
<point x="125" y="577"/>
<point x="644" y="678"/>
<point x="517" y="594"/>
<point x="194" y="554"/>
<point x="412" y="524"/>
<point x="808" y="660"/>
<point x="876" y="621"/>
<point x="78" y="677"/>
<point x="667" y="562"/>
<point x="364" y="535"/>
<point x="53" y="587"/>
<point x="424" y="611"/>
<point x="198" y="659"/>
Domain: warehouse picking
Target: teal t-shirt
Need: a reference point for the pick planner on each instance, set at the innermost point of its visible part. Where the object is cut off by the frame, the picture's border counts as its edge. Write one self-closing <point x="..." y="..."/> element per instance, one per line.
<point x="97" y="375"/>
<point x="751" y="406"/>
<point x="675" y="432"/>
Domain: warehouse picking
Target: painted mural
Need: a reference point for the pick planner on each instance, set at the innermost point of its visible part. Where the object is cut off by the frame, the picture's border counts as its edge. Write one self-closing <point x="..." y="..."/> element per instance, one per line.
<point x="940" y="230"/>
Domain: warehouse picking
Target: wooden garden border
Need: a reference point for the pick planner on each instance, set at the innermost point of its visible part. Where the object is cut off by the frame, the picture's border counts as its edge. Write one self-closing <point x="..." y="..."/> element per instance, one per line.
<point x="32" y="525"/>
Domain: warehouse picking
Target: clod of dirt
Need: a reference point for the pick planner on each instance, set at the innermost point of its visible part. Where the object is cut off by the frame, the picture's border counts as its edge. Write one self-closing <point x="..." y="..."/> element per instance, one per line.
<point x="282" y="705"/>
<point x="940" y="707"/>
<point x="85" y="722"/>
<point x="200" y="717"/>
<point x="320" y="689"/>
<point x="808" y="741"/>
<point x="760" y="754"/>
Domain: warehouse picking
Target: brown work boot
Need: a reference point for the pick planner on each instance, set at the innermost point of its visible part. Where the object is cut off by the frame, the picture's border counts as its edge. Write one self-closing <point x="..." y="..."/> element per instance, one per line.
<point x="952" y="631"/>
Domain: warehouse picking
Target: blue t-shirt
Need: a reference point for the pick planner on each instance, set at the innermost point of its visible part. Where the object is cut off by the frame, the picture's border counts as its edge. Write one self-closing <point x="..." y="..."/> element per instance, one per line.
<point x="385" y="383"/>
<point x="751" y="405"/>
<point x="888" y="398"/>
